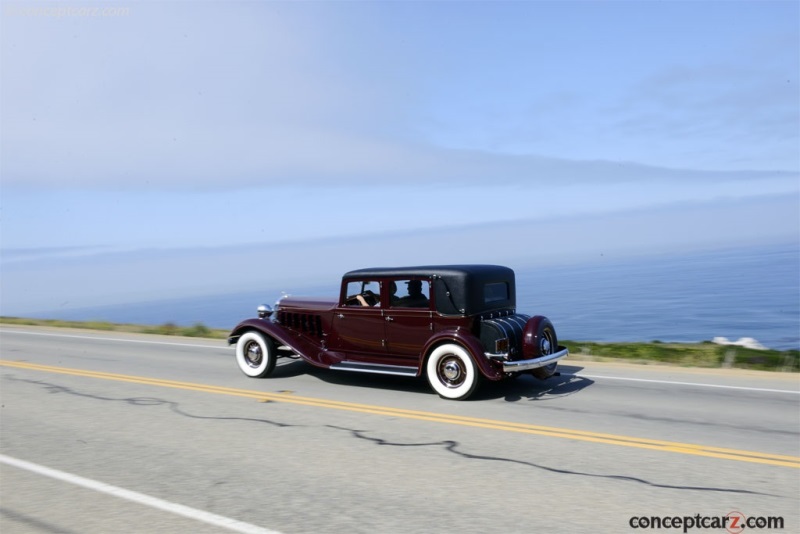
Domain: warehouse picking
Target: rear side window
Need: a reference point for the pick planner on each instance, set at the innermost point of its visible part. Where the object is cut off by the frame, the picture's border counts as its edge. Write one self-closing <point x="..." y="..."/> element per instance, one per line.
<point x="410" y="293"/>
<point x="495" y="292"/>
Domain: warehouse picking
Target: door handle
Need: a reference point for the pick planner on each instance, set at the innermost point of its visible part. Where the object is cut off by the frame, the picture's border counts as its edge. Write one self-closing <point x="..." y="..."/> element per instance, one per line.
<point x="340" y="316"/>
<point x="389" y="319"/>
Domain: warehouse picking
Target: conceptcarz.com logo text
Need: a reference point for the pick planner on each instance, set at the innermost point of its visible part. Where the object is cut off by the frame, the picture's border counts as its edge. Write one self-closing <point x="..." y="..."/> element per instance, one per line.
<point x="733" y="522"/>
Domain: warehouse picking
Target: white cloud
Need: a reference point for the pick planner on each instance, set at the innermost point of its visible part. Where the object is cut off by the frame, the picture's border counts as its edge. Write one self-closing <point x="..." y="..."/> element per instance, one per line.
<point x="212" y="95"/>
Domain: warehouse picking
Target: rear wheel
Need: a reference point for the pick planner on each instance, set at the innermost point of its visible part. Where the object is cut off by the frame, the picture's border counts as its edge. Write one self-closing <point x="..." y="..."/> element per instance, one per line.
<point x="451" y="372"/>
<point x="255" y="354"/>
<point x="548" y="344"/>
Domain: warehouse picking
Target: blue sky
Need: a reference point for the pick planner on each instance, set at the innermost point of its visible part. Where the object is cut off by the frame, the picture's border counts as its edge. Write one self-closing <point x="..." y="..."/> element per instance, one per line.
<point x="188" y="148"/>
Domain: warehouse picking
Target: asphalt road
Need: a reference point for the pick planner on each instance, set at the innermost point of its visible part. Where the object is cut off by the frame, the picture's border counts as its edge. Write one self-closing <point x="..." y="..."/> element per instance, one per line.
<point x="109" y="432"/>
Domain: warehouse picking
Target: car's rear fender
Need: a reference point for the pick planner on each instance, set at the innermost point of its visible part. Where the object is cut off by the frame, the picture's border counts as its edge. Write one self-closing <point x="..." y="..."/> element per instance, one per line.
<point x="531" y="336"/>
<point x="472" y="344"/>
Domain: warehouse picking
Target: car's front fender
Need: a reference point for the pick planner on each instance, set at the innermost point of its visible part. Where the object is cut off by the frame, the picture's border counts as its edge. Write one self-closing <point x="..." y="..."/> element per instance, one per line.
<point x="300" y="345"/>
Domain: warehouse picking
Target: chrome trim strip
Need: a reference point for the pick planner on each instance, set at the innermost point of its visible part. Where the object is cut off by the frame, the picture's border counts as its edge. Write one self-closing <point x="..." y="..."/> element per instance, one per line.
<point x="520" y="319"/>
<point x="499" y="325"/>
<point x="502" y="323"/>
<point x="376" y="369"/>
<point x="514" y="326"/>
<point x="535" y="363"/>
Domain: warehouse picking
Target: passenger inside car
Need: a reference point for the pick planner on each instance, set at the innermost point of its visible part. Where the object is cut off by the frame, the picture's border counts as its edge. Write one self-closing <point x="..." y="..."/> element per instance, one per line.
<point x="415" y="297"/>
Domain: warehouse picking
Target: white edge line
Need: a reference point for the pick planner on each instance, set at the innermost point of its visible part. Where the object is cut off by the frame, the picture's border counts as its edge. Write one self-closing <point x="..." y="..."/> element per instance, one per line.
<point x="120" y="340"/>
<point x="696" y="384"/>
<point x="140" y="498"/>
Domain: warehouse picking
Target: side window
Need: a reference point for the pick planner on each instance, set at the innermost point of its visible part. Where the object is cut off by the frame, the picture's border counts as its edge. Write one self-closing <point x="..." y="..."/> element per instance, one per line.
<point x="495" y="292"/>
<point x="410" y="293"/>
<point x="362" y="293"/>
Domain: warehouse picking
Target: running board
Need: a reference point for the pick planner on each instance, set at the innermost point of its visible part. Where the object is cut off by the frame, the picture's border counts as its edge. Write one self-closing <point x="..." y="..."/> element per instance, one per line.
<point x="375" y="368"/>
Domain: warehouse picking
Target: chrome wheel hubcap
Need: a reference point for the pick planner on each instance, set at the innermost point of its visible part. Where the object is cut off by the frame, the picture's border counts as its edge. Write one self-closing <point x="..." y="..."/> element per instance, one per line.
<point x="451" y="372"/>
<point x="253" y="354"/>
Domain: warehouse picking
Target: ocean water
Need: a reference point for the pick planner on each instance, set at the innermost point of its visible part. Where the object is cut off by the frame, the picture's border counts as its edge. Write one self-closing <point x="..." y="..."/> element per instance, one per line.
<point x="743" y="292"/>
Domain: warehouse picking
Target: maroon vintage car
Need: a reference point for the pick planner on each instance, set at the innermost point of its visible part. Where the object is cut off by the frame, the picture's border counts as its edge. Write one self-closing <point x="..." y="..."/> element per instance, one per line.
<point x="453" y="323"/>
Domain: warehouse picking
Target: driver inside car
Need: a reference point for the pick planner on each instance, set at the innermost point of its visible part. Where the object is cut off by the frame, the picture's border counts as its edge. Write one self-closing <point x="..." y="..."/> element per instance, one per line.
<point x="361" y="300"/>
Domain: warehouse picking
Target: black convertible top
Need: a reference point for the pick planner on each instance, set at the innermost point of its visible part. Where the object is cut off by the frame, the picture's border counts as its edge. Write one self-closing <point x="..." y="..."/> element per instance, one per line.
<point x="459" y="289"/>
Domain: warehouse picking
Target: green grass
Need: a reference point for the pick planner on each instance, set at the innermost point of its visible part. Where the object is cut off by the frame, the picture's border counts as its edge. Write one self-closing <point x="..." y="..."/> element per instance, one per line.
<point x="166" y="329"/>
<point x="704" y="354"/>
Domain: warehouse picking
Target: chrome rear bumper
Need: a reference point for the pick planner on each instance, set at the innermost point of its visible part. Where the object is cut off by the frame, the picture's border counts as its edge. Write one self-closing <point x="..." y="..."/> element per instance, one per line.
<point x="534" y="363"/>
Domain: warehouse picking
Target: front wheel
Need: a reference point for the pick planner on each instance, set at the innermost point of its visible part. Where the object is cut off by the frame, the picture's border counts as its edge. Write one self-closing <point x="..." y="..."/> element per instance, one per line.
<point x="255" y="355"/>
<point x="451" y="372"/>
<point x="548" y="344"/>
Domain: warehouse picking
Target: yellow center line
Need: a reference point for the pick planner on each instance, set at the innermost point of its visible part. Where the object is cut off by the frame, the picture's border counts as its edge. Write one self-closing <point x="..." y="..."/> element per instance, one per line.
<point x="579" y="435"/>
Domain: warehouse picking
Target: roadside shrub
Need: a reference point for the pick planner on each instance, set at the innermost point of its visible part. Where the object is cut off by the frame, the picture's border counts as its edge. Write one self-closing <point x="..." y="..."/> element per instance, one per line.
<point x="166" y="329"/>
<point x="705" y="354"/>
<point x="198" y="330"/>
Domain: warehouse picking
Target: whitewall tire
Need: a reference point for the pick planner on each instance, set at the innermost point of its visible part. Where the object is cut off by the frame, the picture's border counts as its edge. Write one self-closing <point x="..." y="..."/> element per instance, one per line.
<point x="255" y="354"/>
<point x="451" y="372"/>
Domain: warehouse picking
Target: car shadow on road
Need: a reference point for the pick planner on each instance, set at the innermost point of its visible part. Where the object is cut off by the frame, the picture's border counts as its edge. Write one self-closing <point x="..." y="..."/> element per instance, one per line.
<point x="522" y="388"/>
<point x="529" y="388"/>
<point x="289" y="368"/>
<point x="371" y="381"/>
